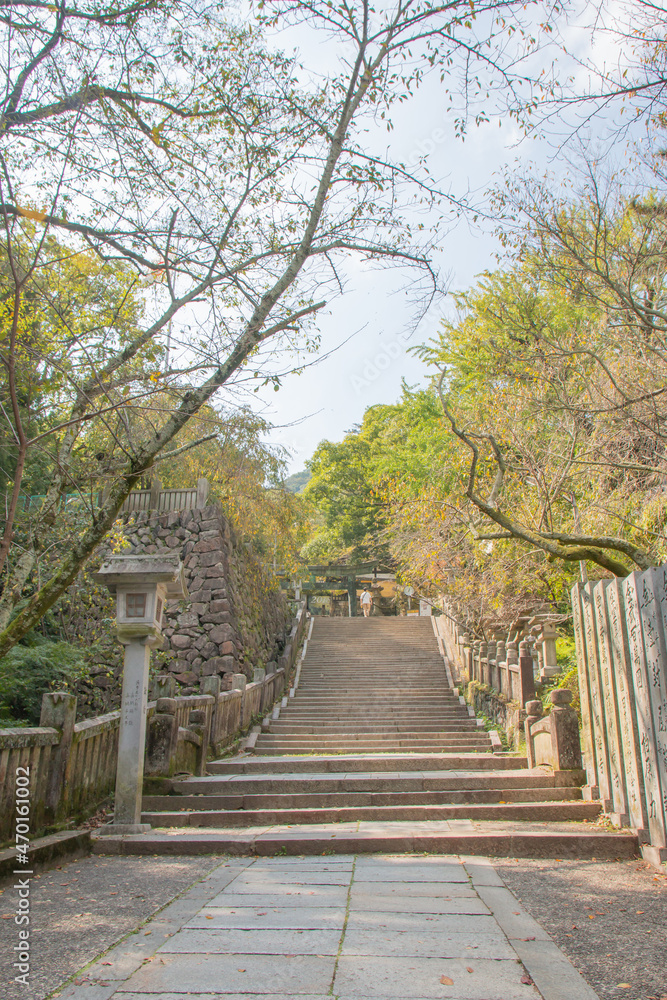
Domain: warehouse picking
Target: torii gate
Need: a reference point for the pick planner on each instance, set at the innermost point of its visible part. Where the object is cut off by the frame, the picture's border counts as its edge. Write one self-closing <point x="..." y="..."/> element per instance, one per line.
<point x="345" y="575"/>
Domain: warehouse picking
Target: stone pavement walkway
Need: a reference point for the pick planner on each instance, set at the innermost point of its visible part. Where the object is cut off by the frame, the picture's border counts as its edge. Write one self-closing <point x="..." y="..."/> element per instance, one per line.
<point x="346" y="926"/>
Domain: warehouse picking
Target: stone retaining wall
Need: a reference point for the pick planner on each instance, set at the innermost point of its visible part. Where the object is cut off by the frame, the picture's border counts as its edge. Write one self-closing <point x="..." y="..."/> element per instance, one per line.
<point x="236" y="619"/>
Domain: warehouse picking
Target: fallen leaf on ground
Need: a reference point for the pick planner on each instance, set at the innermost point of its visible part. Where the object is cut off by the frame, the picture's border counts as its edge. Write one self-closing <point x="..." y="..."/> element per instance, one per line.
<point x="623" y="986"/>
<point x="639" y="911"/>
<point x="446" y="981"/>
<point x="240" y="970"/>
<point x="468" y="969"/>
<point x="529" y="938"/>
<point x="105" y="963"/>
<point x="527" y="981"/>
<point x="209" y="918"/>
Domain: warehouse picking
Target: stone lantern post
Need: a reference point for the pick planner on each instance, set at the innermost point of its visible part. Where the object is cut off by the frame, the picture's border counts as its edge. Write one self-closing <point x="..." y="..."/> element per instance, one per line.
<point x="142" y="585"/>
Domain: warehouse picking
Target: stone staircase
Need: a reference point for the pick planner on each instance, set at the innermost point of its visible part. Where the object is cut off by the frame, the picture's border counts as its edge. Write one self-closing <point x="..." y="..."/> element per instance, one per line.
<point x="376" y="751"/>
<point x="373" y="685"/>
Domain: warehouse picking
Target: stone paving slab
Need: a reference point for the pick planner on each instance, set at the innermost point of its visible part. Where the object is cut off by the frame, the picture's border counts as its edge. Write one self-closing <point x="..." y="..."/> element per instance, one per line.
<point x="384" y="887"/>
<point x="420" y="943"/>
<point x="442" y="923"/>
<point x="423" y="979"/>
<point x="285" y="876"/>
<point x="187" y="974"/>
<point x="278" y="917"/>
<point x="407" y="903"/>
<point x="224" y="996"/>
<point x="308" y="896"/>
<point x="258" y="940"/>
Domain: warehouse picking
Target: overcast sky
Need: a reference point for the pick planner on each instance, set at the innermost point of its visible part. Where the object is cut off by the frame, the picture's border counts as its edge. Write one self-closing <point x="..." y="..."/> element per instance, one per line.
<point x="330" y="397"/>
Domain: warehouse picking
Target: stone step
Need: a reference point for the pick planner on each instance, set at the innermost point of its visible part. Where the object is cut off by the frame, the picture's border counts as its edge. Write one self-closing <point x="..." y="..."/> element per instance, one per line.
<point x="367" y="746"/>
<point x="329" y="800"/>
<point x="540" y="812"/>
<point x="345" y="700"/>
<point x="366" y="763"/>
<point x="368" y="736"/>
<point x="360" y="708"/>
<point x="347" y="748"/>
<point x="500" y="780"/>
<point x="487" y="839"/>
<point x="326" y="729"/>
<point x="421" y="716"/>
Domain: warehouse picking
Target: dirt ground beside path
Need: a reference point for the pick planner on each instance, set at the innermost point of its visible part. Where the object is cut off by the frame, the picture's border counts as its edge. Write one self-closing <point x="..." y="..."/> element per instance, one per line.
<point x="82" y="908"/>
<point x="610" y="919"/>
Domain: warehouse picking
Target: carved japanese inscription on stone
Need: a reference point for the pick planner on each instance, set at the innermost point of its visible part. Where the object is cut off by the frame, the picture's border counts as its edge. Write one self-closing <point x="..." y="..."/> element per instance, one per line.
<point x="621" y="675"/>
<point x="644" y="642"/>
<point x="600" y="736"/>
<point x="608" y="687"/>
<point x="588" y="743"/>
<point x="658" y="686"/>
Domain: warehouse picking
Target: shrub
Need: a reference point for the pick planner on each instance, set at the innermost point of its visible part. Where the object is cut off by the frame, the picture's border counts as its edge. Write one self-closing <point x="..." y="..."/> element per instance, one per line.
<point x="28" y="671"/>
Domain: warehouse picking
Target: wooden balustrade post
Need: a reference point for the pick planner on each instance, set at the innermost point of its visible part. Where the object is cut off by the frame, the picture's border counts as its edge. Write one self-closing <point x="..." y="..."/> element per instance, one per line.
<point x="202" y="492"/>
<point x="526" y="678"/>
<point x="474" y="661"/>
<point x="483" y="662"/>
<point x="492" y="659"/>
<point x="156" y="490"/>
<point x="58" y="712"/>
<point x="533" y="715"/>
<point x="212" y="685"/>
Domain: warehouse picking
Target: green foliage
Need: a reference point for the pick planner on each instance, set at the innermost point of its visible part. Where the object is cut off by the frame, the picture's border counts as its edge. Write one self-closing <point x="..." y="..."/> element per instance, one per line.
<point x="298" y="481"/>
<point x="352" y="480"/>
<point x="29" y="671"/>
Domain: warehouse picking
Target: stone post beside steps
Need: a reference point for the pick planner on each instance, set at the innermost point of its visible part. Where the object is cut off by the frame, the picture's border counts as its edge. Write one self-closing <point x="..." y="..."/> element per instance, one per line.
<point x="199" y="724"/>
<point x="565" y="731"/>
<point x="162" y="738"/>
<point x="553" y="739"/>
<point x="58" y="712"/>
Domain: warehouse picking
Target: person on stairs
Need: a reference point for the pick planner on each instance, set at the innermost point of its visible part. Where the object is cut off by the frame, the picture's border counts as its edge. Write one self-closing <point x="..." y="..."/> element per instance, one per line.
<point x="366" y="602"/>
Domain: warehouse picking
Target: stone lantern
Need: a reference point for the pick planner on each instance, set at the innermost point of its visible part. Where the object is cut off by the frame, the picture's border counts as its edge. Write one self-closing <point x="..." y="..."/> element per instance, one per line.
<point x="142" y="585"/>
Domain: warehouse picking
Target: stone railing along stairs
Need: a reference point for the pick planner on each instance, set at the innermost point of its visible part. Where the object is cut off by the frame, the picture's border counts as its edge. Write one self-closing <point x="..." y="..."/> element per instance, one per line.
<point x="376" y="734"/>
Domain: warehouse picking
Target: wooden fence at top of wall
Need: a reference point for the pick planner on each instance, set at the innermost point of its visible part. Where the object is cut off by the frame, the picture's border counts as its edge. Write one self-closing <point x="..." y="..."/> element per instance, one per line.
<point x="155" y="499"/>
<point x="163" y="501"/>
<point x="70" y="778"/>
